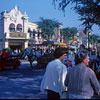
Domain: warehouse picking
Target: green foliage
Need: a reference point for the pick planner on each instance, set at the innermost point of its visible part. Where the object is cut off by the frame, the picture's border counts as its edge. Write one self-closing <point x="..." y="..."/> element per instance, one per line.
<point x="89" y="10"/>
<point x="68" y="33"/>
<point x="94" y="38"/>
<point x="47" y="27"/>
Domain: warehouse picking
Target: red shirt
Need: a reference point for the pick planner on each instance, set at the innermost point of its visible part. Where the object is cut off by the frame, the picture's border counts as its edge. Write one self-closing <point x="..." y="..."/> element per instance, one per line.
<point x="4" y="54"/>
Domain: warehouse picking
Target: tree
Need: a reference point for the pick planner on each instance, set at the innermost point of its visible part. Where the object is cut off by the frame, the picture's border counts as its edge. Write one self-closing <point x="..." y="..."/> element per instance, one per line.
<point x="68" y="33"/>
<point x="93" y="39"/>
<point x="89" y="10"/>
<point x="47" y="27"/>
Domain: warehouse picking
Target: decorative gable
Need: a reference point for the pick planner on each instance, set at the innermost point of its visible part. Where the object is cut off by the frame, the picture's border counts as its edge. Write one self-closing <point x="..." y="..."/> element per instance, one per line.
<point x="15" y="14"/>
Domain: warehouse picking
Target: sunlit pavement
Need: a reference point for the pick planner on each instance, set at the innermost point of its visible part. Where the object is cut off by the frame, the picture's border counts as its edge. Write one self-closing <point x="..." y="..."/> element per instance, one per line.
<point x="22" y="83"/>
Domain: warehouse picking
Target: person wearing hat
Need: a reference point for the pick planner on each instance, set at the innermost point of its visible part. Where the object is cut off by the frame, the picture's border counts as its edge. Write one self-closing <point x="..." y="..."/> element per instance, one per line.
<point x="53" y="80"/>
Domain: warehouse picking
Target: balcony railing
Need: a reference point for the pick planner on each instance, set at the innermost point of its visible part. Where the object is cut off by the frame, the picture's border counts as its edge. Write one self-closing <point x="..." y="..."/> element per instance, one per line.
<point x="18" y="35"/>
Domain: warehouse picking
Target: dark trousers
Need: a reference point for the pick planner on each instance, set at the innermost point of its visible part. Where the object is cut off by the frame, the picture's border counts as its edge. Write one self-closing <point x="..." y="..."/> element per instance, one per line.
<point x="52" y="95"/>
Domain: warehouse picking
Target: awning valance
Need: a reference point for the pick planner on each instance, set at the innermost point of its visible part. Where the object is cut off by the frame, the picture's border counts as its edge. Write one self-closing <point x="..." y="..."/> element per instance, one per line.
<point x="63" y="44"/>
<point x="49" y="43"/>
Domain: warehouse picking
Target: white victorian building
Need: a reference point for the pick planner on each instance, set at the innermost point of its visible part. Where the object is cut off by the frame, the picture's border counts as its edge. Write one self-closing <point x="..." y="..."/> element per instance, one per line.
<point x="16" y="32"/>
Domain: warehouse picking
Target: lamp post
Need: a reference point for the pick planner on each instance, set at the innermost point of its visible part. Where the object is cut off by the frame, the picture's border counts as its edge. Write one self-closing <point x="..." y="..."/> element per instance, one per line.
<point x="88" y="40"/>
<point x="77" y="40"/>
<point x="89" y="33"/>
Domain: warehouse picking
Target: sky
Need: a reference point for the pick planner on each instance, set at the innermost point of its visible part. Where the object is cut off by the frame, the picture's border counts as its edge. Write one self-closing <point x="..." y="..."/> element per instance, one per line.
<point x="44" y="8"/>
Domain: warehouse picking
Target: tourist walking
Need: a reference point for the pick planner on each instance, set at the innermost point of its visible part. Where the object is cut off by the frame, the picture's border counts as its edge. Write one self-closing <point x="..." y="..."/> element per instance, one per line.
<point x="53" y="80"/>
<point x="81" y="80"/>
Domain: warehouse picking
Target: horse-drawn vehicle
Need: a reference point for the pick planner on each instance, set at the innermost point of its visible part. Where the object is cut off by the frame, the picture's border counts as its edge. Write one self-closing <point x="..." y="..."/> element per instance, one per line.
<point x="42" y="60"/>
<point x="10" y="61"/>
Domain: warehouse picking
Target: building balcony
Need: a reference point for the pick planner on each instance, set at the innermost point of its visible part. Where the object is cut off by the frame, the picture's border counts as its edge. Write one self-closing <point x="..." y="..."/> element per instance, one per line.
<point x="17" y="35"/>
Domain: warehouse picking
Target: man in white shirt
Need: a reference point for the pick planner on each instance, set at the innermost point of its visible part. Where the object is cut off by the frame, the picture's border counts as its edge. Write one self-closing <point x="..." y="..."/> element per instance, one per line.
<point x="56" y="71"/>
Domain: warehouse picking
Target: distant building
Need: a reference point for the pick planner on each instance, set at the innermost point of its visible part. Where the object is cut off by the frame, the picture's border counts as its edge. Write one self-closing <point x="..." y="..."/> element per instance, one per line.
<point x="79" y="39"/>
<point x="82" y="38"/>
<point x="16" y="32"/>
<point x="57" y="36"/>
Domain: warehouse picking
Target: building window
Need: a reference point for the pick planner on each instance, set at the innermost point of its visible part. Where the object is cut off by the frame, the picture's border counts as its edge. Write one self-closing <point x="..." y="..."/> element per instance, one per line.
<point x="29" y="30"/>
<point x="38" y="36"/>
<point x="33" y="36"/>
<point x="34" y="32"/>
<point x="19" y="28"/>
<point x="12" y="27"/>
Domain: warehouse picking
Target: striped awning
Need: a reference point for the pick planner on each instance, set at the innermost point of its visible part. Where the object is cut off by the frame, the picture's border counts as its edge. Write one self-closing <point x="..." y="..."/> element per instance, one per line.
<point x="63" y="44"/>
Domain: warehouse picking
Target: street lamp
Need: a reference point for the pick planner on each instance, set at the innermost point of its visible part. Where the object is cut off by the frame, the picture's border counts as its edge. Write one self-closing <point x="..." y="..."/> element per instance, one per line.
<point x="89" y="33"/>
<point x="77" y="40"/>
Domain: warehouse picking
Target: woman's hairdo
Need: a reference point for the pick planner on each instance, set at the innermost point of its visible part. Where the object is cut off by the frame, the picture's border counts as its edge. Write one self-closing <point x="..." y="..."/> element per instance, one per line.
<point x="80" y="56"/>
<point x="60" y="51"/>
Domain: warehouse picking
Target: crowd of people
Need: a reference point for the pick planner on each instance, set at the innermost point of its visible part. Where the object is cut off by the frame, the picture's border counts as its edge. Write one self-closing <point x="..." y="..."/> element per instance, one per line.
<point x="68" y="76"/>
<point x="9" y="52"/>
<point x="8" y="58"/>
<point x="78" y="82"/>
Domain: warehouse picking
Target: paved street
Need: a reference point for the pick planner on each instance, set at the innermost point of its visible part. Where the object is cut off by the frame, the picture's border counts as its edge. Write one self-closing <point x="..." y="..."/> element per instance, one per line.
<point x="22" y="83"/>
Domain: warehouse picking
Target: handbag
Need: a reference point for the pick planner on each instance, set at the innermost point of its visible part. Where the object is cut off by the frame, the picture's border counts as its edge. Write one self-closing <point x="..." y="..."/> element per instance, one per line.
<point x="65" y="95"/>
